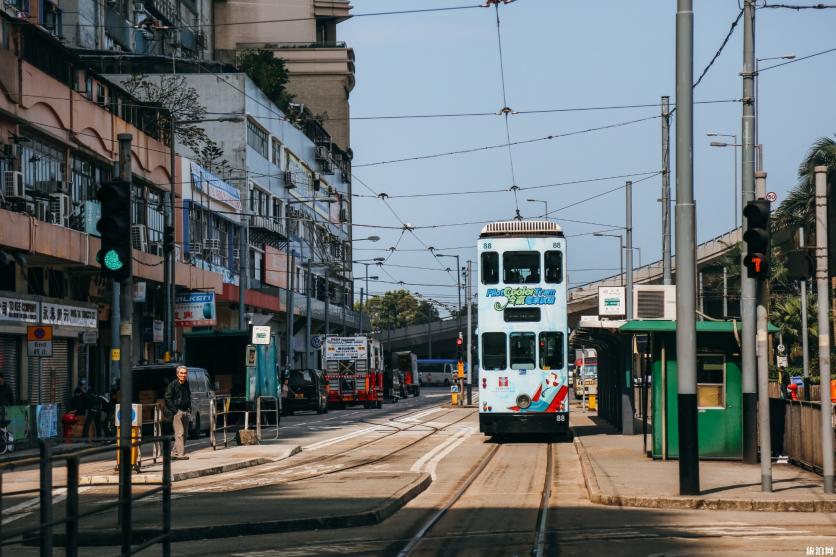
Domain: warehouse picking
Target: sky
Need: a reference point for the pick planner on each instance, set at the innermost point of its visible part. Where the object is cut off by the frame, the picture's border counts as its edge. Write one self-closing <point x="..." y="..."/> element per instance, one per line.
<point x="557" y="55"/>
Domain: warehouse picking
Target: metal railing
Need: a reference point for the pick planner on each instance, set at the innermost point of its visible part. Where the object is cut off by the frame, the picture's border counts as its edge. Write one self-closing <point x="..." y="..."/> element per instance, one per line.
<point x="259" y="409"/>
<point x="235" y="419"/>
<point x="46" y="524"/>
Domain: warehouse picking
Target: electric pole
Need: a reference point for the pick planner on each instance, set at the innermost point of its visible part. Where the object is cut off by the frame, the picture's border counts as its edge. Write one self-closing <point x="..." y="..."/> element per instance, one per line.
<point x="468" y="286"/>
<point x="686" y="331"/>
<point x="748" y="285"/>
<point x="666" y="191"/>
<point x="629" y="225"/>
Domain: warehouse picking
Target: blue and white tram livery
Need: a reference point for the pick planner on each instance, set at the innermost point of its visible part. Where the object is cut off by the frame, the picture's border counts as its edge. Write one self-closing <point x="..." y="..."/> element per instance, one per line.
<point x="523" y="329"/>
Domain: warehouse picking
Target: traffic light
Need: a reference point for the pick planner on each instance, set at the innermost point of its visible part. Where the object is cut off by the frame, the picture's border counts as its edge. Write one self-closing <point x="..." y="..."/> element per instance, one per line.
<point x="115" y="229"/>
<point x="459" y="341"/>
<point x="168" y="239"/>
<point x="800" y="264"/>
<point x="757" y="238"/>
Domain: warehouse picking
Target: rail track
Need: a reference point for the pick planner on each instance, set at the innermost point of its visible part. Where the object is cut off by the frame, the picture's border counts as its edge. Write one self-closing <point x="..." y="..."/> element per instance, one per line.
<point x="537" y="532"/>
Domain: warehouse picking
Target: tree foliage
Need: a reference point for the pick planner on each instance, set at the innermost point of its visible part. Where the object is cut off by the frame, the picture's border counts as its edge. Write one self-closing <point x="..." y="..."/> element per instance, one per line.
<point x="798" y="208"/>
<point x="269" y="74"/>
<point x="399" y="308"/>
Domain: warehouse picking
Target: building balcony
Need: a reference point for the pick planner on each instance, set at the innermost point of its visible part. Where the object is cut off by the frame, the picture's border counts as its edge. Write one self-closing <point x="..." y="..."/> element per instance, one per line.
<point x="270" y="224"/>
<point x="337" y="9"/>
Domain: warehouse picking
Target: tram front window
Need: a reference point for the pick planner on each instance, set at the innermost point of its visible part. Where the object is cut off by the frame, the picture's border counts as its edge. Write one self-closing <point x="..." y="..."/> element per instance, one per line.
<point x="490" y="267"/>
<point x="522" y="351"/>
<point x="521" y="267"/>
<point x="493" y="351"/>
<point x="551" y="350"/>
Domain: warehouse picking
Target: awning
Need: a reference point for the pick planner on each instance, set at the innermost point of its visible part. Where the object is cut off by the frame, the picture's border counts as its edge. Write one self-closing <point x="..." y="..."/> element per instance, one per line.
<point x="660" y="326"/>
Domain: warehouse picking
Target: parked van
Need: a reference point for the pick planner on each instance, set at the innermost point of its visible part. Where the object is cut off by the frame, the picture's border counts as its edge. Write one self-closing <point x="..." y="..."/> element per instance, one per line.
<point x="150" y="382"/>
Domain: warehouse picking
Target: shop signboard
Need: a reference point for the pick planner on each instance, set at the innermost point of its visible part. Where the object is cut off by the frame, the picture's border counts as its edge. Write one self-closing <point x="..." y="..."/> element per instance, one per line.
<point x="194" y="309"/>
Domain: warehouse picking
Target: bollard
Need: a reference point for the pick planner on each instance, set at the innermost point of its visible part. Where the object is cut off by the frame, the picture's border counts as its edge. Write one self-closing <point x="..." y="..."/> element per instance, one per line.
<point x="455" y="398"/>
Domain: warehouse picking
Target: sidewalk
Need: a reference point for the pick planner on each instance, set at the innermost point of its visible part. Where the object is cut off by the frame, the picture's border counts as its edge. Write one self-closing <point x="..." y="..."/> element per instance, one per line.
<point x="616" y="473"/>
<point x="202" y="462"/>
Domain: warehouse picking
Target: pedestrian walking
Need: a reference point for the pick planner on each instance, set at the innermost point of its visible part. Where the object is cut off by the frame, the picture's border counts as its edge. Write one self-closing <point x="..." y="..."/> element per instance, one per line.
<point x="178" y="406"/>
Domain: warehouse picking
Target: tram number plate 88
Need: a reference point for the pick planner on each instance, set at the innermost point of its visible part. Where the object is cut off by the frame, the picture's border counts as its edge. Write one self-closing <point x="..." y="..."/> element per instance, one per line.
<point x="561" y="417"/>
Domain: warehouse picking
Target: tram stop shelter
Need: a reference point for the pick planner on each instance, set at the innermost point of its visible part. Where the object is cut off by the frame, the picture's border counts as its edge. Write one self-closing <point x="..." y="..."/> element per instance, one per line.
<point x="631" y="350"/>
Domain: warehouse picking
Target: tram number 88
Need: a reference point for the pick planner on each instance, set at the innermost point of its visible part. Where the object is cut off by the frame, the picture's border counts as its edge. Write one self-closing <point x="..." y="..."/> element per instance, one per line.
<point x="561" y="417"/>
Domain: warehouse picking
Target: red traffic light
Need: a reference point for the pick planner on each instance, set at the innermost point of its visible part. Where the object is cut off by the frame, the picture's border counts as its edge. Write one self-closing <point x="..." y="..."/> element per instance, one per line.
<point x="757" y="265"/>
<point x="458" y="342"/>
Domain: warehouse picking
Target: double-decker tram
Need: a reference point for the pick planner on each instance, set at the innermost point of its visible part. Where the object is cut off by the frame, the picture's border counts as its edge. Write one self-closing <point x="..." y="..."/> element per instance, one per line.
<point x="523" y="332"/>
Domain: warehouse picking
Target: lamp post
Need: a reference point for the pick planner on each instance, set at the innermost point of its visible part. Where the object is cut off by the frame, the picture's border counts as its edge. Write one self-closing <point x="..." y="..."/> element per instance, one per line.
<point x="758" y="148"/>
<point x="374" y="277"/>
<point x="169" y="263"/>
<point x="620" y="250"/>
<point x="372" y="238"/>
<point x="734" y="170"/>
<point x="544" y="202"/>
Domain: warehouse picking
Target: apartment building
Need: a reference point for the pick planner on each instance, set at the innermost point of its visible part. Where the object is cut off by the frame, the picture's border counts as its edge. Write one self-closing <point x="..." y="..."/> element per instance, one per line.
<point x="59" y="123"/>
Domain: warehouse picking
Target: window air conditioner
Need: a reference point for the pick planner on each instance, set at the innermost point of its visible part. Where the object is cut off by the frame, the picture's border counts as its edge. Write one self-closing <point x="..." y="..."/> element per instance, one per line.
<point x="60" y="207"/>
<point x="212" y="245"/>
<point x="139" y="237"/>
<point x="322" y="152"/>
<point x="289" y="182"/>
<point x="156" y="248"/>
<point x="13" y="187"/>
<point x="654" y="302"/>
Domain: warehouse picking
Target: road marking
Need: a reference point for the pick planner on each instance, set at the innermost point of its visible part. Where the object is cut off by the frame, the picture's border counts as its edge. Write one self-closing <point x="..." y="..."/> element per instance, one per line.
<point x="16" y="512"/>
<point x="333" y="440"/>
<point x="429" y="462"/>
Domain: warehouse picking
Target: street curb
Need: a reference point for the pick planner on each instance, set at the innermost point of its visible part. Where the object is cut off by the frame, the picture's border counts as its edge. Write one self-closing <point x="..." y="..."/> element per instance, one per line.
<point x="156" y="479"/>
<point x="374" y="516"/>
<point x="689" y="503"/>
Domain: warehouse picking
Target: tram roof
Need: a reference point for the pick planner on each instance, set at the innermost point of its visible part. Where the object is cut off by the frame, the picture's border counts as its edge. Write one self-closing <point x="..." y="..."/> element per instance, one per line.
<point x="521" y="228"/>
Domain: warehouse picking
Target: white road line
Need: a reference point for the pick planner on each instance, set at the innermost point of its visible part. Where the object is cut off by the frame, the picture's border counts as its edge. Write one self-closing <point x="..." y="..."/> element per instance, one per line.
<point x="429" y="462"/>
<point x="333" y="440"/>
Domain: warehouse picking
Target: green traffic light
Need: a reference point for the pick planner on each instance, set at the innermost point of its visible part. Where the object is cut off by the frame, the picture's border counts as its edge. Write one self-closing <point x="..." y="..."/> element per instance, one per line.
<point x="112" y="261"/>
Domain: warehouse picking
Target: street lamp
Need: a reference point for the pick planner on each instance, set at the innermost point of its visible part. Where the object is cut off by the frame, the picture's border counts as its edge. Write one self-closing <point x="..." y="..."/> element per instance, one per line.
<point x="546" y="203"/>
<point x="374" y="277"/>
<point x="758" y="147"/>
<point x="168" y="257"/>
<point x="620" y="250"/>
<point x="734" y="169"/>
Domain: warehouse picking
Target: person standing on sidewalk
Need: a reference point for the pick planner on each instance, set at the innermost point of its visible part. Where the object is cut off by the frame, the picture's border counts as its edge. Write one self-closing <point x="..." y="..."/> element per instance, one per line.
<point x="178" y="406"/>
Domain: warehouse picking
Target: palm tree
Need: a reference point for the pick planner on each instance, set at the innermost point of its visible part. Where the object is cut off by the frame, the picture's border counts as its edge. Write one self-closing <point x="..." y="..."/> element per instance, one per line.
<point x="798" y="209"/>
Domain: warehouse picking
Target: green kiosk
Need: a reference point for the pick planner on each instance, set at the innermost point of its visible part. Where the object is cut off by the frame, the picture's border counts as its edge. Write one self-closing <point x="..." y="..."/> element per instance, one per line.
<point x="719" y="389"/>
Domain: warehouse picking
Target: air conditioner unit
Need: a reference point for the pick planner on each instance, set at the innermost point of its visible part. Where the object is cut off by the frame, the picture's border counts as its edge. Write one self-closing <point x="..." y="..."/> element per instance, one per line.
<point x="60" y="206"/>
<point x="326" y="166"/>
<point x="13" y="187"/>
<point x="139" y="237"/>
<point x="322" y="152"/>
<point x="195" y="248"/>
<point x="654" y="302"/>
<point x="40" y="210"/>
<point x="212" y="245"/>
<point x="289" y="182"/>
<point x="155" y="248"/>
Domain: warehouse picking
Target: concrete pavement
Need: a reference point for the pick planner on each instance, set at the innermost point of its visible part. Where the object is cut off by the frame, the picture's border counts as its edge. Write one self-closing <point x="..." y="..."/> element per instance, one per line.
<point x="617" y="473"/>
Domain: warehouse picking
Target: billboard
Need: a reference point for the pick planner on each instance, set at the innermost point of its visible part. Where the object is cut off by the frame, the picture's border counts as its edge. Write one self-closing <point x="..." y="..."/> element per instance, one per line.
<point x="612" y="300"/>
<point x="194" y="309"/>
<point x="346" y="348"/>
<point x="275" y="267"/>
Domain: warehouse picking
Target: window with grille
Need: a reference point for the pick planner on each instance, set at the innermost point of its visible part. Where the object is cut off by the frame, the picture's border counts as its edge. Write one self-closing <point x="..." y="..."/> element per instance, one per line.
<point x="257" y="138"/>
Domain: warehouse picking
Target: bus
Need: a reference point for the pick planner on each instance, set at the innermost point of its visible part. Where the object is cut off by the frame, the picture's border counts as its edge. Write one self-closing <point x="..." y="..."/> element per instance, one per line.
<point x="437" y="371"/>
<point x="523" y="329"/>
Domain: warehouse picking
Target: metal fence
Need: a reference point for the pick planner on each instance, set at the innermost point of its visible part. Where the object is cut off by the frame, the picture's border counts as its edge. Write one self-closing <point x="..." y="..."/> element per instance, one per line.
<point x="228" y="415"/>
<point x="44" y="530"/>
<point x="802" y="433"/>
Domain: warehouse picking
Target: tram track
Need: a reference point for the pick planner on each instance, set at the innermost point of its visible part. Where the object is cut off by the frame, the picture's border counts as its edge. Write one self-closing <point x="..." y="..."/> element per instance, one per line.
<point x="413" y="546"/>
<point x="300" y="471"/>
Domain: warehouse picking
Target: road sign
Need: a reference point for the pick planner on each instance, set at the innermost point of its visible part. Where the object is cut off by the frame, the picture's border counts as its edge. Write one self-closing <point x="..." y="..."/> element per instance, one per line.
<point x="781" y="348"/>
<point x="89" y="337"/>
<point x="783" y="361"/>
<point x="39" y="338"/>
<point x="136" y="412"/>
<point x="772" y="197"/>
<point x="454" y="388"/>
<point x="261" y="334"/>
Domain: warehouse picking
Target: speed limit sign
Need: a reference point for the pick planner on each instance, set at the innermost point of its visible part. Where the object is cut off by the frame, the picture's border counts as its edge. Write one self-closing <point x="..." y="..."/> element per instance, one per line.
<point x="781" y="348"/>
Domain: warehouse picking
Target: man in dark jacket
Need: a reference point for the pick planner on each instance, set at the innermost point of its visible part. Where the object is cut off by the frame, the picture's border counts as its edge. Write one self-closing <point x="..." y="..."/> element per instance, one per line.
<point x="178" y="406"/>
